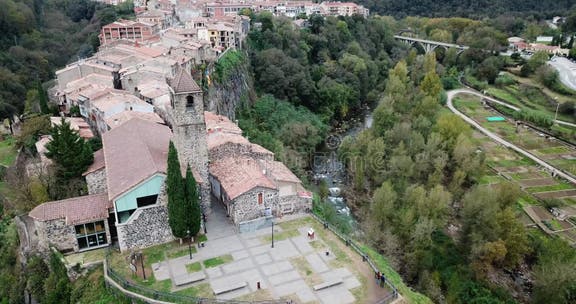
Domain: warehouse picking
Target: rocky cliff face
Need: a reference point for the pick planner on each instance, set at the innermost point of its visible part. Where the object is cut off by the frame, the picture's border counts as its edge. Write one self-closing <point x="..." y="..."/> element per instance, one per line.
<point x="226" y="94"/>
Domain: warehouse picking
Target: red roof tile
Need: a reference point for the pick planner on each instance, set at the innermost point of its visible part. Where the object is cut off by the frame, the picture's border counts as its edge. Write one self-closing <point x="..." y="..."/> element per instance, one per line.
<point x="134" y="151"/>
<point x="75" y="210"/>
<point x="97" y="164"/>
<point x="279" y="171"/>
<point x="183" y="82"/>
<point x="238" y="175"/>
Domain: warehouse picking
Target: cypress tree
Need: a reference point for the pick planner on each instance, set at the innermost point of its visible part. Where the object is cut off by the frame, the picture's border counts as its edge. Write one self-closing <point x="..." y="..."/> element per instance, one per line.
<point x="43" y="98"/>
<point x="177" y="217"/>
<point x="57" y="284"/>
<point x="69" y="151"/>
<point x="192" y="204"/>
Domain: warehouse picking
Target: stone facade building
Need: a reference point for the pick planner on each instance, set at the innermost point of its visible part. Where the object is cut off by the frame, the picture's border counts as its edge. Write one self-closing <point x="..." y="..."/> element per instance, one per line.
<point x="186" y="115"/>
<point x="73" y="224"/>
<point x="127" y="201"/>
<point x="96" y="174"/>
<point x="245" y="177"/>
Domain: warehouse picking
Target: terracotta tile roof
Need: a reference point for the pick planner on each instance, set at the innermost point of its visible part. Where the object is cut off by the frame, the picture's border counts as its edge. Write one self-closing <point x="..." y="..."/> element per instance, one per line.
<point x="279" y="172"/>
<point x="237" y="175"/>
<point x="217" y="139"/>
<point x="134" y="151"/>
<point x="76" y="123"/>
<point x="259" y="149"/>
<point x="223" y="131"/>
<point x="98" y="163"/>
<point x="116" y="120"/>
<point x="75" y="210"/>
<point x="221" y="123"/>
<point x="183" y="82"/>
<point x="114" y="98"/>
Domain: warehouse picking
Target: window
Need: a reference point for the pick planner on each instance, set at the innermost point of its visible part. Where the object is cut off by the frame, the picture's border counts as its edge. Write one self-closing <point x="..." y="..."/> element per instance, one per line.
<point x="260" y="198"/>
<point x="146" y="200"/>
<point x="91" y="235"/>
<point x="189" y="103"/>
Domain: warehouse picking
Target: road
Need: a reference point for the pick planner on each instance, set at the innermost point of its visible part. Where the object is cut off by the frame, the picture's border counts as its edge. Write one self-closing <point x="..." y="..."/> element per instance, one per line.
<point x="498" y="139"/>
<point x="566" y="70"/>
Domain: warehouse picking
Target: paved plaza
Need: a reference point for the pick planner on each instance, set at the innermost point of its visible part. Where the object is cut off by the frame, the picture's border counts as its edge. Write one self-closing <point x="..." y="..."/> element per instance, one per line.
<point x="297" y="268"/>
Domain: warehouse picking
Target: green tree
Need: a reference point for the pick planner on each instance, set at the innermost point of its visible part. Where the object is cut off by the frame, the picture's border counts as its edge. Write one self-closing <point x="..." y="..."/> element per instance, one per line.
<point x="57" y="284"/>
<point x="192" y="203"/>
<point x="555" y="272"/>
<point x="42" y="99"/>
<point x="31" y="130"/>
<point x="431" y="85"/>
<point x="175" y="189"/>
<point x="37" y="271"/>
<point x="69" y="151"/>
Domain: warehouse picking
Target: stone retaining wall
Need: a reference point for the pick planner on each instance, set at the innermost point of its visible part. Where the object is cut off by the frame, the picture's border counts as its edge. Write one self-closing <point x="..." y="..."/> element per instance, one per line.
<point x="57" y="234"/>
<point x="147" y="227"/>
<point x="97" y="182"/>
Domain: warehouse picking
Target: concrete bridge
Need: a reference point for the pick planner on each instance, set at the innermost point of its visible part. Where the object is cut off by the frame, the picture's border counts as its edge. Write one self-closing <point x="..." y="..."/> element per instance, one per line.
<point x="429" y="45"/>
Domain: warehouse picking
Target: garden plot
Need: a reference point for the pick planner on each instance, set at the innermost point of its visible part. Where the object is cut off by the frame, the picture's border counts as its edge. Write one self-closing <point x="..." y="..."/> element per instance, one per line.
<point x="556" y="194"/>
<point x="547" y="181"/>
<point x="569" y="235"/>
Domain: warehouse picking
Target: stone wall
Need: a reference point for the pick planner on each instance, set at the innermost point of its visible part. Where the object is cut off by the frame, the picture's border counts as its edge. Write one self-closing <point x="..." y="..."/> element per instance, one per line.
<point x="57" y="234"/>
<point x="228" y="149"/>
<point x="97" y="182"/>
<point x="245" y="207"/>
<point x="147" y="227"/>
<point x="293" y="204"/>
<point x="189" y="130"/>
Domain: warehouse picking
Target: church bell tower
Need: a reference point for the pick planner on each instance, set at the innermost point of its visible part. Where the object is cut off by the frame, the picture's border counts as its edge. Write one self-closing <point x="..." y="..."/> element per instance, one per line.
<point x="189" y="128"/>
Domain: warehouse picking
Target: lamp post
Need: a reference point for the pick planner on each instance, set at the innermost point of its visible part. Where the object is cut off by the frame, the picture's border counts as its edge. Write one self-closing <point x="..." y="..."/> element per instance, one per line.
<point x="204" y="222"/>
<point x="189" y="243"/>
<point x="272" y="233"/>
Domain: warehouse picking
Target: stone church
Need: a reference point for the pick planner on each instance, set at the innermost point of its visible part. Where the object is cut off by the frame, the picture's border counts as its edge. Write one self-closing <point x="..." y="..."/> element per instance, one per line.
<point x="127" y="202"/>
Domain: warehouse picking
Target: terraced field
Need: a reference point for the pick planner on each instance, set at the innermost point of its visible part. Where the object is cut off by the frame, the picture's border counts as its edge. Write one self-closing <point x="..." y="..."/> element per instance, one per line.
<point x="507" y="166"/>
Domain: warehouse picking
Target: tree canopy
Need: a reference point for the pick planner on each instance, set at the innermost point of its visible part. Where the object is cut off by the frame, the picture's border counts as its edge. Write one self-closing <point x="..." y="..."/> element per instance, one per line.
<point x="175" y="189"/>
<point x="71" y="154"/>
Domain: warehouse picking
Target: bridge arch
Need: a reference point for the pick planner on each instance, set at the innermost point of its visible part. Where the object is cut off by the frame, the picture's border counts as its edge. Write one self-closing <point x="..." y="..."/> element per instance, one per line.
<point x="419" y="47"/>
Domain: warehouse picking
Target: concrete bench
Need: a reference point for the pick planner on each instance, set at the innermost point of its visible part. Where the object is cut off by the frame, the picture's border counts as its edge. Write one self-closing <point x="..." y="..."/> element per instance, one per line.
<point x="189" y="278"/>
<point x="229" y="287"/>
<point x="327" y="284"/>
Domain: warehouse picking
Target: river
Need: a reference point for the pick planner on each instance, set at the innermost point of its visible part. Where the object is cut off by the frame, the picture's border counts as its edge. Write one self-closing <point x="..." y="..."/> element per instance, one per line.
<point x="326" y="165"/>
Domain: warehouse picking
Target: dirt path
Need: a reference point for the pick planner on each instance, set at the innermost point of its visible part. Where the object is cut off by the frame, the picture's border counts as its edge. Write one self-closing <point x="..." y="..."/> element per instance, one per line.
<point x="374" y="292"/>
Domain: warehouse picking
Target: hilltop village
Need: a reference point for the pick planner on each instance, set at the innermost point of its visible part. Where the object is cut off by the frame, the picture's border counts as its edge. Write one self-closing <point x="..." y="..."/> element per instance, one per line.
<point x="138" y="93"/>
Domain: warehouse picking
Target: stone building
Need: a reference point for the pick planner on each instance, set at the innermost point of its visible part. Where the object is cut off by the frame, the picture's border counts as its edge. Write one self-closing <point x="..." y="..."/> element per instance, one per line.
<point x="74" y="224"/>
<point x="246" y="179"/>
<point x="135" y="155"/>
<point x="127" y="201"/>
<point x="186" y="115"/>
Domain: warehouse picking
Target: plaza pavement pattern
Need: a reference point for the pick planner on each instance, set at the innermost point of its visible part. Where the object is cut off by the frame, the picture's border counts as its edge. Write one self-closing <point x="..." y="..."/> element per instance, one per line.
<point x="256" y="261"/>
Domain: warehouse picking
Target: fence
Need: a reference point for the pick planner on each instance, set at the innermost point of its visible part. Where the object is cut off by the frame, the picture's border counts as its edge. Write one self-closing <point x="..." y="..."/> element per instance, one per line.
<point x="147" y="295"/>
<point x="389" y="298"/>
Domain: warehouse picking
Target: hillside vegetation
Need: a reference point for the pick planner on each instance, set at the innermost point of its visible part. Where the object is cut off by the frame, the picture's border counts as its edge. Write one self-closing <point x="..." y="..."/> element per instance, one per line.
<point x="468" y="8"/>
<point x="40" y="36"/>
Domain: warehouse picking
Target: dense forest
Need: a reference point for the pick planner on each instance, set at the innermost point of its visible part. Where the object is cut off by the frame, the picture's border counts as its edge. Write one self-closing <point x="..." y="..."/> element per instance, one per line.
<point x="414" y="173"/>
<point x="469" y="8"/>
<point x="40" y="36"/>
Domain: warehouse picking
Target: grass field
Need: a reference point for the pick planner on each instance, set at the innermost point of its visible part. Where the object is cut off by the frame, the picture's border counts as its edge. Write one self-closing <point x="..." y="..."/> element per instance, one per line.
<point x="8" y="151"/>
